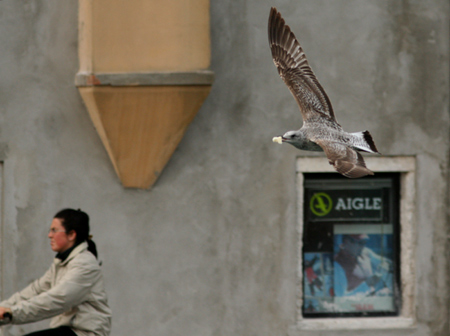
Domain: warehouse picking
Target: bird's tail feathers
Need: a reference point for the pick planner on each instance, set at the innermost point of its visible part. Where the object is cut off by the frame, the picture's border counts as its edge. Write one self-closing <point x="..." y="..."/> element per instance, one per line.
<point x="366" y="142"/>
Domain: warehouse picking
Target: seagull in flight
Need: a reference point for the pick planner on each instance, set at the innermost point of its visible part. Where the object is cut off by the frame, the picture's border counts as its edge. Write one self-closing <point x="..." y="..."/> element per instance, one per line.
<point x="320" y="130"/>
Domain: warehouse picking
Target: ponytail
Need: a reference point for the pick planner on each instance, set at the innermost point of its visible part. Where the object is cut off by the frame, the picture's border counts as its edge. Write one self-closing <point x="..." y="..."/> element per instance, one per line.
<point x="91" y="247"/>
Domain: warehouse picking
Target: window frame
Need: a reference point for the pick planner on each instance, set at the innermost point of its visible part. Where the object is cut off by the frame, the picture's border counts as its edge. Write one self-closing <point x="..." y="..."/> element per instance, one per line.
<point x="406" y="166"/>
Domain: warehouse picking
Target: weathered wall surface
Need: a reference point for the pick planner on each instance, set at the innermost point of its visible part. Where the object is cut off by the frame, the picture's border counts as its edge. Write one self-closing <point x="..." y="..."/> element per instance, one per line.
<point x="211" y="249"/>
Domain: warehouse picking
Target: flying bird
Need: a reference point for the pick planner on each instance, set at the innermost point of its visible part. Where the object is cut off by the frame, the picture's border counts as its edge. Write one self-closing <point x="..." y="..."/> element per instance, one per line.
<point x="320" y="130"/>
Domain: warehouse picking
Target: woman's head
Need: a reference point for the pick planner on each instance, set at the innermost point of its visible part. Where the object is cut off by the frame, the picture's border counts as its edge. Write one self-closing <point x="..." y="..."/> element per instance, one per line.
<point x="60" y="239"/>
<point x="76" y="221"/>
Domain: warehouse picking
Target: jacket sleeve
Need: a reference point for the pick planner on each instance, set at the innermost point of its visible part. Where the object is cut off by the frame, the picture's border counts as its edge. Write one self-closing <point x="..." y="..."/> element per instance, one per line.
<point x="35" y="288"/>
<point x="72" y="289"/>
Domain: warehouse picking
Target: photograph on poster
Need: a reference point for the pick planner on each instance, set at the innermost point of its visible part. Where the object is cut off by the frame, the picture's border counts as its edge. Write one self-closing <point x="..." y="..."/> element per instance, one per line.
<point x="318" y="281"/>
<point x="363" y="268"/>
<point x="357" y="276"/>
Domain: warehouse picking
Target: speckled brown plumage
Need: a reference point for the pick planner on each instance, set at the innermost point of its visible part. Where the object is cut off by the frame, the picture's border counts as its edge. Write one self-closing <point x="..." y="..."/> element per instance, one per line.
<point x="320" y="130"/>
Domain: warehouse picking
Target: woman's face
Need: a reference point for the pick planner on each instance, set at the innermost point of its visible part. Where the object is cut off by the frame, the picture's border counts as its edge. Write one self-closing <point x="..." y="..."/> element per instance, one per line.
<point x="59" y="239"/>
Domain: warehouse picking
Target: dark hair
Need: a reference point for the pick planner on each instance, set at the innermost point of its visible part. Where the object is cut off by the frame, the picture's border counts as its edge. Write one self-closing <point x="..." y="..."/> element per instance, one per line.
<point x="77" y="221"/>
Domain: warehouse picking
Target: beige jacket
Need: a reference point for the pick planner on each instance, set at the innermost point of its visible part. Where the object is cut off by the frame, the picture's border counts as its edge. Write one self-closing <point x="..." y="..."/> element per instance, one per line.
<point x="71" y="292"/>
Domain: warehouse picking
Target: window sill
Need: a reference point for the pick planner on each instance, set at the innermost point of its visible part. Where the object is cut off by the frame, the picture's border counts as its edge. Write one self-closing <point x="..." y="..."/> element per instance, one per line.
<point x="376" y="323"/>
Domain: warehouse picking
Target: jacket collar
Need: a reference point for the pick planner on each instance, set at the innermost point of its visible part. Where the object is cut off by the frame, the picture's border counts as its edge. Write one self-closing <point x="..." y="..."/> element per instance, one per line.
<point x="77" y="250"/>
<point x="63" y="255"/>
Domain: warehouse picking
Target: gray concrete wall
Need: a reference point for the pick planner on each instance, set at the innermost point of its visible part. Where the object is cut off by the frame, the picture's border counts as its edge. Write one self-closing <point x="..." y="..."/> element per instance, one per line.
<point x="212" y="248"/>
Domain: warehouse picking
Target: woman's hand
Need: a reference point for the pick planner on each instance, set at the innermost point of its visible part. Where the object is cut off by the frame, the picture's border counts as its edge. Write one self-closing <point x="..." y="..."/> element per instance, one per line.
<point x="4" y="310"/>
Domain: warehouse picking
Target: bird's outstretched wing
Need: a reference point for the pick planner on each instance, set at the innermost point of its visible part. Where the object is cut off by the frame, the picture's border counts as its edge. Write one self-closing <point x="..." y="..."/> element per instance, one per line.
<point x="345" y="160"/>
<point x="295" y="71"/>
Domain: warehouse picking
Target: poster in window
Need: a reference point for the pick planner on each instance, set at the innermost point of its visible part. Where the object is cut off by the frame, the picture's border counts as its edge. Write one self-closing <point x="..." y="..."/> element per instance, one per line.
<point x="363" y="268"/>
<point x="351" y="247"/>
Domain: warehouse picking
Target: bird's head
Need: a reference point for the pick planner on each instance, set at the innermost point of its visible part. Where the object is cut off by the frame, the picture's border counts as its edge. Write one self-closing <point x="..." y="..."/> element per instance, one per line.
<point x="295" y="138"/>
<point x="292" y="137"/>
